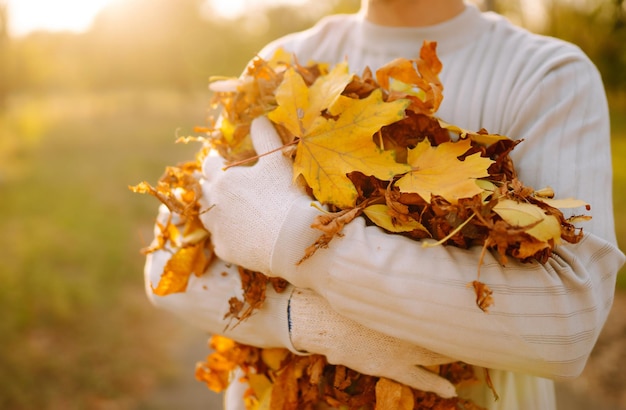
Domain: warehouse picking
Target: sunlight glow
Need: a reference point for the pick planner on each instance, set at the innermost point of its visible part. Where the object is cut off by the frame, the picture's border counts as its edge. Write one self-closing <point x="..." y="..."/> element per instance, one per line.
<point x="235" y="8"/>
<point x="26" y="16"/>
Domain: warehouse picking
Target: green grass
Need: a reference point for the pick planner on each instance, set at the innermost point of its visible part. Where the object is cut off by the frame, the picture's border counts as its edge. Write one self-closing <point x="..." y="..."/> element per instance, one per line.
<point x="77" y="330"/>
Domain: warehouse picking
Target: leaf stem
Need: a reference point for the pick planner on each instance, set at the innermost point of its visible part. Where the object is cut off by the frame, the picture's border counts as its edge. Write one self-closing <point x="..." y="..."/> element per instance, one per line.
<point x="450" y="235"/>
<point x="245" y="161"/>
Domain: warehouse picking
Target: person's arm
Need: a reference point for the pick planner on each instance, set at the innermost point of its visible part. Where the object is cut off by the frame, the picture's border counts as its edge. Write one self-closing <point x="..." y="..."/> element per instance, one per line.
<point x="205" y="302"/>
<point x="546" y="318"/>
<point x="205" y="305"/>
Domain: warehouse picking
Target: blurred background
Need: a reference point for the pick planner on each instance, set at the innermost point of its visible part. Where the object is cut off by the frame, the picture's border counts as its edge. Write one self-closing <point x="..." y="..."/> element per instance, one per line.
<point x="93" y="95"/>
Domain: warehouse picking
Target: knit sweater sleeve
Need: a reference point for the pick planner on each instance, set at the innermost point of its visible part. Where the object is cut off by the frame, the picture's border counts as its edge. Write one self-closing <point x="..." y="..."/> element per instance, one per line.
<point x="546" y="317"/>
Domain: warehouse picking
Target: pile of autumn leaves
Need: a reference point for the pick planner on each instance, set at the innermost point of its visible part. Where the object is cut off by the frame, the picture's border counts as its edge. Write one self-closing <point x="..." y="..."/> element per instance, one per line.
<point x="362" y="146"/>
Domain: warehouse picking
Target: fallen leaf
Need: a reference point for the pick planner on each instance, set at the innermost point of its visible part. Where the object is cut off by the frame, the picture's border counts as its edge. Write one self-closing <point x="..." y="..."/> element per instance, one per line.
<point x="391" y="395"/>
<point x="333" y="148"/>
<point x="185" y="262"/>
<point x="564" y="203"/>
<point x="531" y="218"/>
<point x="380" y="215"/>
<point x="480" y="138"/>
<point x="299" y="106"/>
<point x="438" y="171"/>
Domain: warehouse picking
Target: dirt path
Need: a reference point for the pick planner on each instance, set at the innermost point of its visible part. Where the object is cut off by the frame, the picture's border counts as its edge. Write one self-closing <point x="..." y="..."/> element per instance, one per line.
<point x="602" y="386"/>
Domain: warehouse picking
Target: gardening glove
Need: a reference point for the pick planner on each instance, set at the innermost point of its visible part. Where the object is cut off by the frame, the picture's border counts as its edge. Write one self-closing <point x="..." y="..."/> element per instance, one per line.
<point x="248" y="206"/>
<point x="317" y="328"/>
<point x="205" y="302"/>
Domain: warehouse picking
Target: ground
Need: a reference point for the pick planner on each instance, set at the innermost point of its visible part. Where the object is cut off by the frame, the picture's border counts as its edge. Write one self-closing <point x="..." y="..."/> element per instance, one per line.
<point x="602" y="386"/>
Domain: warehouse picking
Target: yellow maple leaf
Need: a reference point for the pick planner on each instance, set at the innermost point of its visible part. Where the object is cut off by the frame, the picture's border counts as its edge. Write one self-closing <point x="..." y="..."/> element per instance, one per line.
<point x="438" y="171"/>
<point x="329" y="148"/>
<point x="334" y="147"/>
<point x="299" y="106"/>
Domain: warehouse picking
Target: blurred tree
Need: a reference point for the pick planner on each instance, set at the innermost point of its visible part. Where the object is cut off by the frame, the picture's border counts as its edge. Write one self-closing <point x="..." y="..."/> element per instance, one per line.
<point x="596" y="26"/>
<point x="599" y="28"/>
<point x="174" y="44"/>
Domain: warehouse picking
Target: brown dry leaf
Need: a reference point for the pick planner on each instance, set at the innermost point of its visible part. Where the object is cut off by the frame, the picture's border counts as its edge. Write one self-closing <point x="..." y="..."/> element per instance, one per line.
<point x="254" y="286"/>
<point x="484" y="298"/>
<point x="331" y="225"/>
<point x="532" y="249"/>
<point x="286" y="397"/>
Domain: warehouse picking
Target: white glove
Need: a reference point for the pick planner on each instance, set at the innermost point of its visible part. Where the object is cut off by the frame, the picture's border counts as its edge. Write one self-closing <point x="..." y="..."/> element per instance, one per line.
<point x="205" y="303"/>
<point x="249" y="204"/>
<point x="317" y="328"/>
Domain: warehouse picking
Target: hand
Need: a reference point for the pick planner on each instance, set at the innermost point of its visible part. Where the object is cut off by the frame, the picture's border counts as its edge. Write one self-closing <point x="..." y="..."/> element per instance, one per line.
<point x="249" y="204"/>
<point x="317" y="328"/>
<point x="205" y="302"/>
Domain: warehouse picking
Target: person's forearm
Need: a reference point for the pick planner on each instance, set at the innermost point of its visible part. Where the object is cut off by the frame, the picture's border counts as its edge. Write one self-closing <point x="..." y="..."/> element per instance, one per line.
<point x="545" y="319"/>
<point x="205" y="303"/>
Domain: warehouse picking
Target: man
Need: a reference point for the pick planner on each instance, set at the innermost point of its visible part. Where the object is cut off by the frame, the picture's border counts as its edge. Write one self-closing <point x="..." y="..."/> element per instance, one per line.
<point x="404" y="305"/>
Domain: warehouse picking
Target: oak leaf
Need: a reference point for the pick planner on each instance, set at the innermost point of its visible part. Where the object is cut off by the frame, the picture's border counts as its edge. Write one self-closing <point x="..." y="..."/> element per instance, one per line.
<point x="438" y="171"/>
